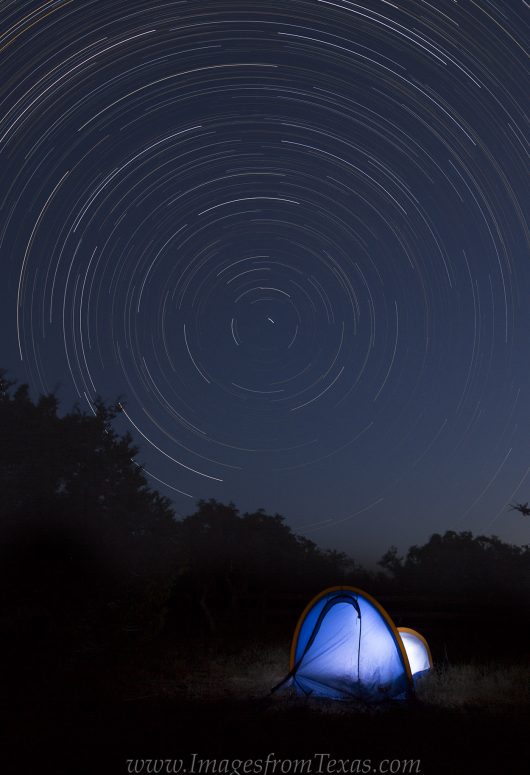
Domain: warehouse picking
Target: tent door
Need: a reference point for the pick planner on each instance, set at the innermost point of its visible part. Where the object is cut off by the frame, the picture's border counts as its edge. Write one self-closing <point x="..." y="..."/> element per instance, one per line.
<point x="329" y="664"/>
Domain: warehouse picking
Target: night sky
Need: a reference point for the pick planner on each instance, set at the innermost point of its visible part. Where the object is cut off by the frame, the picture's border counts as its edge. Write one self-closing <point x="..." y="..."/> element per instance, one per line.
<point x="291" y="235"/>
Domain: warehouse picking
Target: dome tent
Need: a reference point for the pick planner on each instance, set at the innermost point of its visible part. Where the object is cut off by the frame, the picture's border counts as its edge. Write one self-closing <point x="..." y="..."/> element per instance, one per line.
<point x="346" y="645"/>
<point x="418" y="651"/>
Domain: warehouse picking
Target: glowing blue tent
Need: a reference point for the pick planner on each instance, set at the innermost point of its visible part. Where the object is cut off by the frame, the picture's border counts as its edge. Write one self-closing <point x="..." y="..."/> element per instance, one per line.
<point x="418" y="651"/>
<point x="346" y="646"/>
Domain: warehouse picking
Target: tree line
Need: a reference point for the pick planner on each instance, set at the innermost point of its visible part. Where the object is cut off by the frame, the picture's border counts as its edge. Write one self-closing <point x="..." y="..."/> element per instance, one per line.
<point x="84" y="538"/>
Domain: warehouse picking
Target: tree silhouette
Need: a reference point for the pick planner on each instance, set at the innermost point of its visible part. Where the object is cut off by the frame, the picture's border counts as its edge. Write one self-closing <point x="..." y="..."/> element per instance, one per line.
<point x="460" y="565"/>
<point x="522" y="507"/>
<point x="78" y="521"/>
<point x="229" y="557"/>
<point x="75" y="464"/>
<point x="79" y="525"/>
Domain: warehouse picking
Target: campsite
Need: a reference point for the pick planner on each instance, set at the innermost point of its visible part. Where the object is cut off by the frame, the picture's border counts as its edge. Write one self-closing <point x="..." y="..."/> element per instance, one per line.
<point x="167" y="700"/>
<point x="126" y="645"/>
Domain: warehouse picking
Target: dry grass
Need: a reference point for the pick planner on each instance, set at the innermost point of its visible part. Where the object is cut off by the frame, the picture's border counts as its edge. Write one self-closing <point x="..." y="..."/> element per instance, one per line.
<point x="248" y="675"/>
<point x="487" y="685"/>
<point x="252" y="673"/>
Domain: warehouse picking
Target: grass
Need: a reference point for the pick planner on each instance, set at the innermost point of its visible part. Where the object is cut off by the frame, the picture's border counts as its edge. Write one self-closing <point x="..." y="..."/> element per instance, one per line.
<point x="248" y="675"/>
<point x="251" y="673"/>
<point x="484" y="685"/>
<point x="165" y="702"/>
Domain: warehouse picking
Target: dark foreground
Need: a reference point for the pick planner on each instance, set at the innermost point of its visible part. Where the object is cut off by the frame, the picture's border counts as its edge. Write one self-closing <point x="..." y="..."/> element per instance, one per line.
<point x="88" y="730"/>
<point x="75" y="703"/>
<point x="95" y="739"/>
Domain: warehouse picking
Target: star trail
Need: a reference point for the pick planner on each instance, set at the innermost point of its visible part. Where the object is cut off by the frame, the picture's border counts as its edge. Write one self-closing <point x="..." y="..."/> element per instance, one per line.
<point x="291" y="236"/>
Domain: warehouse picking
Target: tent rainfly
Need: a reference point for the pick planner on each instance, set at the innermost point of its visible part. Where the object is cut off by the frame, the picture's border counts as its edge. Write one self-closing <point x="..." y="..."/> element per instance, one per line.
<point x="346" y="645"/>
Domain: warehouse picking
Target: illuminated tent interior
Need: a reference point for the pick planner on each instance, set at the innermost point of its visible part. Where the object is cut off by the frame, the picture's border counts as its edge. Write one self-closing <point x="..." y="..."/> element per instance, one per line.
<point x="346" y="646"/>
<point x="418" y="651"/>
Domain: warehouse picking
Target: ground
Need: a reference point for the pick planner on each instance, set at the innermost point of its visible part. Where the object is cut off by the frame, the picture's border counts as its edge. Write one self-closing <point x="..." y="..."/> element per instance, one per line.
<point x="156" y="704"/>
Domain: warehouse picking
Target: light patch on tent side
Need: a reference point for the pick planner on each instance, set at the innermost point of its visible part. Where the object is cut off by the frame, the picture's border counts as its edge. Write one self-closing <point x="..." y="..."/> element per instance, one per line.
<point x="417" y="650"/>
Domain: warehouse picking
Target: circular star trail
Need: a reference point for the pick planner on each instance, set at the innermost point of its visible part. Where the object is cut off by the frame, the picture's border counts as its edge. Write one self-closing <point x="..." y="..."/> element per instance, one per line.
<point x="291" y="235"/>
